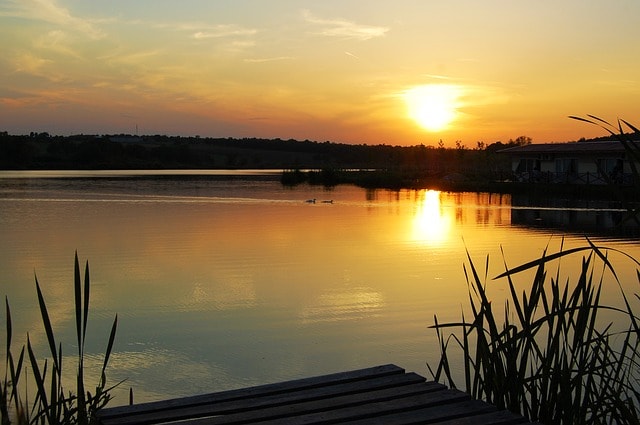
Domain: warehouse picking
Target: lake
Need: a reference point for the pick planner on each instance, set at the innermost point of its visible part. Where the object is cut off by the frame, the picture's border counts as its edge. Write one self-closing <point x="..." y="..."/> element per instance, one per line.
<point x="223" y="281"/>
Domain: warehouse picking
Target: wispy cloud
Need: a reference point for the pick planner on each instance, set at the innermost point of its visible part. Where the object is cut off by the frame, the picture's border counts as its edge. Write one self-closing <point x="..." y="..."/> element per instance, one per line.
<point x="343" y="28"/>
<point x="221" y="31"/>
<point x="130" y="58"/>
<point x="57" y="41"/>
<point x="438" y="77"/>
<point x="202" y="31"/>
<point x="30" y="64"/>
<point x="484" y="95"/>
<point x="49" y="11"/>
<point x="262" y="60"/>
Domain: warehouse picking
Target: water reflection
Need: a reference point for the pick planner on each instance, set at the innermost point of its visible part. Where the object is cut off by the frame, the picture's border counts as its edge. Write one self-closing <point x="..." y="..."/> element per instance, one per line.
<point x="237" y="291"/>
<point x="593" y="217"/>
<point x="343" y="304"/>
<point x="432" y="222"/>
<point x="151" y="364"/>
<point x="223" y="284"/>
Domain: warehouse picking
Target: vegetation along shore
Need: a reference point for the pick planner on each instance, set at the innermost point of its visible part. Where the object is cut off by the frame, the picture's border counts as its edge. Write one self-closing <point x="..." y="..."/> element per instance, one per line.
<point x="482" y="168"/>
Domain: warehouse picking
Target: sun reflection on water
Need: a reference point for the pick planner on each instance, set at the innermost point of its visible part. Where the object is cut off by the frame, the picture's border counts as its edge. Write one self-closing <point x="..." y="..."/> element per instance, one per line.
<point x="431" y="223"/>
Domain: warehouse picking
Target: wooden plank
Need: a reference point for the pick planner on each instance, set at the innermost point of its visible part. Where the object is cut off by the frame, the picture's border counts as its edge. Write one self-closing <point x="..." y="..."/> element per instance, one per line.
<point x="107" y="416"/>
<point x="393" y="382"/>
<point x="473" y="412"/>
<point x="499" y="417"/>
<point x="448" y="400"/>
<point x="295" y="410"/>
<point x="379" y="395"/>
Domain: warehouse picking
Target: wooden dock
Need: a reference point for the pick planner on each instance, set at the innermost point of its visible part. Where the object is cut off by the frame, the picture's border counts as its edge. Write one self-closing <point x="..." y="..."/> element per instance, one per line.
<point x="378" y="395"/>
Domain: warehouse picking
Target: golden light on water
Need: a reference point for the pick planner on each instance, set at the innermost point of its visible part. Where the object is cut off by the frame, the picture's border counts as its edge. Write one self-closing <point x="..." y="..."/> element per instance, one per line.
<point x="433" y="106"/>
<point x="431" y="223"/>
<point x="340" y="305"/>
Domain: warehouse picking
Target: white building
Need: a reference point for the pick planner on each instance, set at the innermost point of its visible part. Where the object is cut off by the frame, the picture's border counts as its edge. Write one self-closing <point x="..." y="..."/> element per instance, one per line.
<point x="587" y="162"/>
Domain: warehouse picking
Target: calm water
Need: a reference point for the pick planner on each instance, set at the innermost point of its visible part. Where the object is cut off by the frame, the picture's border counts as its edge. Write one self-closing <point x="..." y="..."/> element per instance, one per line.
<point x="224" y="282"/>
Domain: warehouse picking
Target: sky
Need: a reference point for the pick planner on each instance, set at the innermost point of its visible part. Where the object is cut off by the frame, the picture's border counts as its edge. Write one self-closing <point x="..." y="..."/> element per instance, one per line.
<point x="400" y="72"/>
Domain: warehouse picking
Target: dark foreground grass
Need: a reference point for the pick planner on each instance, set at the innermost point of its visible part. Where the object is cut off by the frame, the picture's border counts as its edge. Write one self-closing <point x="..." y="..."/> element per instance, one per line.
<point x="549" y="355"/>
<point x="53" y="404"/>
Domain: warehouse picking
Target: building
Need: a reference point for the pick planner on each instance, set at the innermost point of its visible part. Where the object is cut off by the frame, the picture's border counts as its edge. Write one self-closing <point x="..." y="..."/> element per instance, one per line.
<point x="585" y="162"/>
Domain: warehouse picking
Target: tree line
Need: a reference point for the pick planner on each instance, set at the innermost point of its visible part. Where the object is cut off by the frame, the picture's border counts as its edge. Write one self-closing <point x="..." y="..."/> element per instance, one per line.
<point x="44" y="151"/>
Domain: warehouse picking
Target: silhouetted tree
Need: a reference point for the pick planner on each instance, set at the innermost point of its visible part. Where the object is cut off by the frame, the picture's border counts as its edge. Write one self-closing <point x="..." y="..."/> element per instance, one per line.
<point x="521" y="141"/>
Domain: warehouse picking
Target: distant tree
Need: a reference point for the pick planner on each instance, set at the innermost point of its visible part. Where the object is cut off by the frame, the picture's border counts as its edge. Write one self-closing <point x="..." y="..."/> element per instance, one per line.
<point x="521" y="141"/>
<point x="16" y="152"/>
<point x="480" y="145"/>
<point x="495" y="146"/>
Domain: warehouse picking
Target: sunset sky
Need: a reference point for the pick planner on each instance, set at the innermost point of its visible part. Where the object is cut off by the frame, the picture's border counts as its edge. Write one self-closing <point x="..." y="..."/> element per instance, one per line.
<point x="397" y="72"/>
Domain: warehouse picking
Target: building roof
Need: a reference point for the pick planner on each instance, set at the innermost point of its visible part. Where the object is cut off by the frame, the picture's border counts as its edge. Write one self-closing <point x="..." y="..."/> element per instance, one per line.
<point x="571" y="147"/>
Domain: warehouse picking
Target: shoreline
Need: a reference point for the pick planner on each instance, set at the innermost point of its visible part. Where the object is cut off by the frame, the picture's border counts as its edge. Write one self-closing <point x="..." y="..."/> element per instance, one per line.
<point x="368" y="179"/>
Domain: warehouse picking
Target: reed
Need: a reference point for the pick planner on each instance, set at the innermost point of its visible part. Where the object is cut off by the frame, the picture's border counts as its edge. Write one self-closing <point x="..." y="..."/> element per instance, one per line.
<point x="550" y="356"/>
<point x="52" y="404"/>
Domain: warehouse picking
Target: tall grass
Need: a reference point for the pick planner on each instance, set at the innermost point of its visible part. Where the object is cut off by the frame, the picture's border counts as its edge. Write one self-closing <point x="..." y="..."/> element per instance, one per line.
<point x="51" y="403"/>
<point x="550" y="356"/>
<point x="556" y="353"/>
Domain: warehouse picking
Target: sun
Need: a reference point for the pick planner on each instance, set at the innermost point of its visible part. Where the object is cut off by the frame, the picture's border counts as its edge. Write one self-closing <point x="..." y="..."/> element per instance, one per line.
<point x="433" y="106"/>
